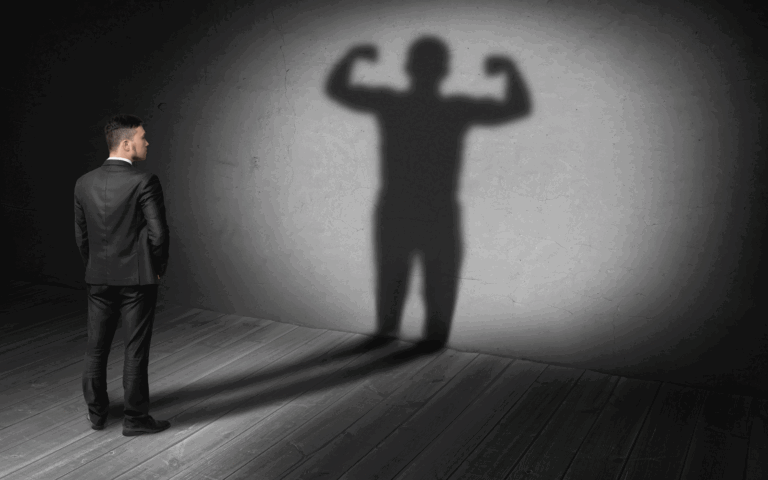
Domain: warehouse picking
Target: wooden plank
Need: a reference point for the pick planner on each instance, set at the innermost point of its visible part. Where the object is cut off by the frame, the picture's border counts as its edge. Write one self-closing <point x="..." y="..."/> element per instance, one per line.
<point x="85" y="446"/>
<point x="43" y="378"/>
<point x="22" y="298"/>
<point x="40" y="341"/>
<point x="38" y="320"/>
<point x="399" y="441"/>
<point x="38" y="295"/>
<point x="36" y="353"/>
<point x="238" y="401"/>
<point x="40" y="392"/>
<point x="501" y="449"/>
<point x="73" y="405"/>
<point x="13" y="284"/>
<point x="757" y="456"/>
<point x="11" y="291"/>
<point x="552" y="451"/>
<point x="46" y="407"/>
<point x="19" y="342"/>
<point x="16" y="295"/>
<point x="664" y="439"/>
<point x="17" y="325"/>
<point x="718" y="435"/>
<point x="318" y="417"/>
<point x="719" y="445"/>
<point x="72" y="443"/>
<point x="204" y="435"/>
<point x="42" y="338"/>
<point x="443" y="455"/>
<point x="10" y="297"/>
<point x="606" y="447"/>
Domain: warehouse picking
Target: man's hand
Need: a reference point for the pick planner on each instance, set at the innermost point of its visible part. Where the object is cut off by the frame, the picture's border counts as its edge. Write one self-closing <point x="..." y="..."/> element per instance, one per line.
<point x="495" y="65"/>
<point x="158" y="277"/>
<point x="367" y="52"/>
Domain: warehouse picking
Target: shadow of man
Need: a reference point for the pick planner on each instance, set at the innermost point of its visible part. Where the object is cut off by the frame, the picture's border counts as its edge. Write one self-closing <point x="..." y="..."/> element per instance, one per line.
<point x="417" y="210"/>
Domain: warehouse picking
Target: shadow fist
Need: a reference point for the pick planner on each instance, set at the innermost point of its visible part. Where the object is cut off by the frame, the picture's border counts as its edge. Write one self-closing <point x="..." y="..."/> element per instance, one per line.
<point x="368" y="52"/>
<point x="496" y="64"/>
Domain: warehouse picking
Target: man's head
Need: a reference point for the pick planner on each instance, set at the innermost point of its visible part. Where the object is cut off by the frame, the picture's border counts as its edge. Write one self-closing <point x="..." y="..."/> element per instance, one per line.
<point x="126" y="137"/>
<point x="428" y="61"/>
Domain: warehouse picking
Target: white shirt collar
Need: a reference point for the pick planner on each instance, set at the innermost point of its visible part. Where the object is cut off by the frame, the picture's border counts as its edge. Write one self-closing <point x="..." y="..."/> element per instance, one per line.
<point x="120" y="158"/>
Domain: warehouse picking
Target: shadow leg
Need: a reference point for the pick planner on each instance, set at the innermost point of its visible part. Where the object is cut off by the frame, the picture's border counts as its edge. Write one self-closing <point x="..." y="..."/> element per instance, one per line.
<point x="442" y="263"/>
<point x="393" y="262"/>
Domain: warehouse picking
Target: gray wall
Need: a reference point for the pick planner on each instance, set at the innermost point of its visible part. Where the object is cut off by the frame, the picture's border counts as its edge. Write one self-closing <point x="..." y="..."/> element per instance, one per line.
<point x="617" y="227"/>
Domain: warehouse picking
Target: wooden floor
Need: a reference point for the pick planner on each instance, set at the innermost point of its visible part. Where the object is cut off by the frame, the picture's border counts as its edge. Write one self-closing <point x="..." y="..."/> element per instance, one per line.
<point x="253" y="399"/>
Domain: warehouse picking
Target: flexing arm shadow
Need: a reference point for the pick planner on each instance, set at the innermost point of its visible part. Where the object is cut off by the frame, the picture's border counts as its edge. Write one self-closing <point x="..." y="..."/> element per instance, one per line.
<point x="517" y="103"/>
<point x="339" y="86"/>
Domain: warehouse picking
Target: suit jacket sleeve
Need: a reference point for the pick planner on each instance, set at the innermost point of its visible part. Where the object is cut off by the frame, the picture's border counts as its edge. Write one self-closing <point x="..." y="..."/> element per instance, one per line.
<point x="81" y="229"/>
<point x="153" y="207"/>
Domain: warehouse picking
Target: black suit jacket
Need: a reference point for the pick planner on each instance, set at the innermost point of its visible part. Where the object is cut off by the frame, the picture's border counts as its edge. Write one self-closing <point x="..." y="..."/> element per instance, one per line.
<point x="120" y="225"/>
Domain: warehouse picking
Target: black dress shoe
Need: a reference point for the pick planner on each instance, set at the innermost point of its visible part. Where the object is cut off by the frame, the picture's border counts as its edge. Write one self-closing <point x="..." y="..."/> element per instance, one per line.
<point x="97" y="425"/>
<point x="132" y="428"/>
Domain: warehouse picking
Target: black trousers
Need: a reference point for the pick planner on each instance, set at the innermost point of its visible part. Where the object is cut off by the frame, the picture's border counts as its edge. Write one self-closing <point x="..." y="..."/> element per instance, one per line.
<point x="106" y="303"/>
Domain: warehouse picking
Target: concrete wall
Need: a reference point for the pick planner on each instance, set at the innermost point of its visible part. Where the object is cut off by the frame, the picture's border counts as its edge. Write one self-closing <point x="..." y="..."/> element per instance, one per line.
<point x="617" y="226"/>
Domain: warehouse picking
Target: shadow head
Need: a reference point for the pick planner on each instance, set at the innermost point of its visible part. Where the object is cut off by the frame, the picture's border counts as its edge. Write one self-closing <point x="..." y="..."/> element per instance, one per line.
<point x="427" y="61"/>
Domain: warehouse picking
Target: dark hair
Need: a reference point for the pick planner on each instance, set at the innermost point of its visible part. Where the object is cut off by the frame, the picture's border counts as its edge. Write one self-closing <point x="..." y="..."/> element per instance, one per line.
<point x="120" y="127"/>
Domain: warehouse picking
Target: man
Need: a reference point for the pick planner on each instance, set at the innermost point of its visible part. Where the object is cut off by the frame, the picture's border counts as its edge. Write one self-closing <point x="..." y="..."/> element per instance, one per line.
<point x="122" y="234"/>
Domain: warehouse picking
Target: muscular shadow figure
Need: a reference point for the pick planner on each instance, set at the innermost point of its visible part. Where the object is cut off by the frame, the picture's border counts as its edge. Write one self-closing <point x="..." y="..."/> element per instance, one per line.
<point x="421" y="144"/>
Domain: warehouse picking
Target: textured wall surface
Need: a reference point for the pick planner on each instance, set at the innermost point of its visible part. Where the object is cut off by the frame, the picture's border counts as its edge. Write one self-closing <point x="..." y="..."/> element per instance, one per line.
<point x="616" y="226"/>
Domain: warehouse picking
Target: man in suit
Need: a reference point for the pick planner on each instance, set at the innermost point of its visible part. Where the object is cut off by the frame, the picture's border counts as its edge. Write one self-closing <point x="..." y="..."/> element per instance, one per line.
<point x="122" y="234"/>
